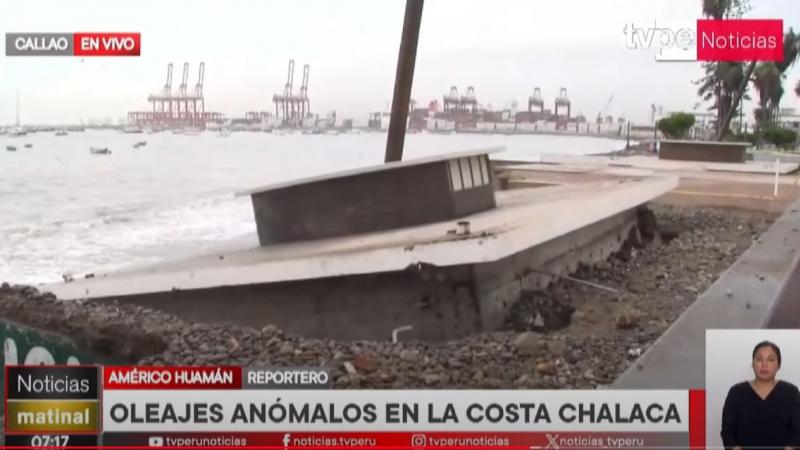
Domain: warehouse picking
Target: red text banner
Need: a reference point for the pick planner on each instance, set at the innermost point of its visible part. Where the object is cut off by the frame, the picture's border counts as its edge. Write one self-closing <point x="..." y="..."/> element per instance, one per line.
<point x="107" y="44"/>
<point x="186" y="377"/>
<point x="740" y="40"/>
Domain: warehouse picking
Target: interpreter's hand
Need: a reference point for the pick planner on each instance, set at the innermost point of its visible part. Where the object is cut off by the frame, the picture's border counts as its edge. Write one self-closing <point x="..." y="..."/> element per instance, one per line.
<point x="788" y="448"/>
<point x="740" y="448"/>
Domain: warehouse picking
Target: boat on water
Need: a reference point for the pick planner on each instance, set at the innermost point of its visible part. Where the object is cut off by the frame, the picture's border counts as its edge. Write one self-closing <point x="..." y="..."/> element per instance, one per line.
<point x="28" y="145"/>
<point x="16" y="132"/>
<point x="140" y="144"/>
<point x="99" y="151"/>
<point x="11" y="148"/>
<point x="61" y="133"/>
<point x="132" y="130"/>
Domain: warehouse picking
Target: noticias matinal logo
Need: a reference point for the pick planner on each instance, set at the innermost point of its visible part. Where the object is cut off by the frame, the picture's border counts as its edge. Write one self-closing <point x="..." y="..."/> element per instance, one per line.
<point x="73" y="44"/>
<point x="733" y="40"/>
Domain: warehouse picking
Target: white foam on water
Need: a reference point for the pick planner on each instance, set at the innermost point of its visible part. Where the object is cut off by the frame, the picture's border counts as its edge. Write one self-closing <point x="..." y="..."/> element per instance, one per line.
<point x="44" y="251"/>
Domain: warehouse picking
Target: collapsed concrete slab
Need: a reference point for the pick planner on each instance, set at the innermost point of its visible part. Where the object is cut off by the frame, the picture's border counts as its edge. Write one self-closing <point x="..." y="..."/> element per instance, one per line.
<point x="441" y="279"/>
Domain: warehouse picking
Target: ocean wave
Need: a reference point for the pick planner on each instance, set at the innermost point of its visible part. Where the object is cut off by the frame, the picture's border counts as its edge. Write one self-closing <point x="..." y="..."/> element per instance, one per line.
<point x="43" y="251"/>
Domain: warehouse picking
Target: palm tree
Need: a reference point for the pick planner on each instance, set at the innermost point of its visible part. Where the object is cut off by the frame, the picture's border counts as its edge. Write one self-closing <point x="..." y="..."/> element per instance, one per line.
<point x="772" y="81"/>
<point x="767" y="81"/>
<point x="725" y="9"/>
<point x="723" y="80"/>
<point x="791" y="50"/>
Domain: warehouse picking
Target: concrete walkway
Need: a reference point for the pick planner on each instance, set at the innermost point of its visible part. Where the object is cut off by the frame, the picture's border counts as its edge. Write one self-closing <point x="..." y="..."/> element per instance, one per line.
<point x="652" y="162"/>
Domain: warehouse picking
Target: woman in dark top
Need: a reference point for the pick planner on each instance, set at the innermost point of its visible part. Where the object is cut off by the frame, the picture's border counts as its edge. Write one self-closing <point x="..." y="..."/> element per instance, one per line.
<point x="764" y="412"/>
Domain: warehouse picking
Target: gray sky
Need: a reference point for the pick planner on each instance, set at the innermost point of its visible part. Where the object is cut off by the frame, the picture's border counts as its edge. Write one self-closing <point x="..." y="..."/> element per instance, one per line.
<point x="504" y="48"/>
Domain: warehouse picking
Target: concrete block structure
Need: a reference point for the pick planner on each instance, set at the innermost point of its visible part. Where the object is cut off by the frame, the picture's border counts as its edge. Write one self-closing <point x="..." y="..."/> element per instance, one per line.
<point x="711" y="151"/>
<point x="375" y="198"/>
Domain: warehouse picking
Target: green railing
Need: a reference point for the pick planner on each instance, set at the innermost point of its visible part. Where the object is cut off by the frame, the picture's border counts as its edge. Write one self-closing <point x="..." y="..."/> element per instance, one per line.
<point x="29" y="346"/>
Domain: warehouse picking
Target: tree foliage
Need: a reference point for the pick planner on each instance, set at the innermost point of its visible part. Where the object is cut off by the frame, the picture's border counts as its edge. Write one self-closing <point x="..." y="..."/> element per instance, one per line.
<point x="725" y="9"/>
<point x="768" y="80"/>
<point x="722" y="80"/>
<point x="780" y="137"/>
<point x="676" y="125"/>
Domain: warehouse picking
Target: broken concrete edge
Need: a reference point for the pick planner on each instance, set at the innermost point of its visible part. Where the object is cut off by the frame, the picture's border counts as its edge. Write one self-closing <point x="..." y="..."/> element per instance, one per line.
<point x="745" y="296"/>
<point x="440" y="303"/>
<point x="476" y="248"/>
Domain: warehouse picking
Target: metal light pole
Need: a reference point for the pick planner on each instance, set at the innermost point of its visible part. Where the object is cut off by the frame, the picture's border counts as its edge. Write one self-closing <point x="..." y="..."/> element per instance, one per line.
<point x="404" y="77"/>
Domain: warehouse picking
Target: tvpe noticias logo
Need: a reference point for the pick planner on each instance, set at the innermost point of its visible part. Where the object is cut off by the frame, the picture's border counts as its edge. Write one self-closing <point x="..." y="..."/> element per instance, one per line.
<point x="73" y="44"/>
<point x="710" y="40"/>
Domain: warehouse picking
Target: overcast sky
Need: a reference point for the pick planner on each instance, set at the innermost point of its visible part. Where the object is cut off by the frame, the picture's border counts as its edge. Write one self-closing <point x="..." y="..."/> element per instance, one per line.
<point x="504" y="48"/>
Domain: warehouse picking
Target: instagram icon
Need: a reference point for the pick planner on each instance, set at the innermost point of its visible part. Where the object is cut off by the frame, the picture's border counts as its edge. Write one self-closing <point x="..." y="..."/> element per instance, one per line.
<point x="419" y="441"/>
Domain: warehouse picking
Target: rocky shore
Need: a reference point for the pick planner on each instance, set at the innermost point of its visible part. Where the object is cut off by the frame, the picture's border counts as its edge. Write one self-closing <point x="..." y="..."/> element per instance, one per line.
<point x="570" y="336"/>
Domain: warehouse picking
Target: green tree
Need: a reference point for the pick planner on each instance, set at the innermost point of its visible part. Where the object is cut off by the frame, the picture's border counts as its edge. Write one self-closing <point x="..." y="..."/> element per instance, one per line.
<point x="780" y="137"/>
<point x="767" y="81"/>
<point x="791" y="51"/>
<point x="723" y="80"/>
<point x="725" y="9"/>
<point x="677" y="125"/>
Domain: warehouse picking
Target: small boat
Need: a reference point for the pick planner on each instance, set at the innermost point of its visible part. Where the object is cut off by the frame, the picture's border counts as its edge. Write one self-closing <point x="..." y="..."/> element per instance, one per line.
<point x="61" y="133"/>
<point x="140" y="144"/>
<point x="11" y="148"/>
<point x="132" y="130"/>
<point x="99" y="151"/>
<point x="28" y="145"/>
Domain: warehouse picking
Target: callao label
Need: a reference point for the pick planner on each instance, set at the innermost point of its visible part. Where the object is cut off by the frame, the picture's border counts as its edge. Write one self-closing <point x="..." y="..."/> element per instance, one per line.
<point x="74" y="44"/>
